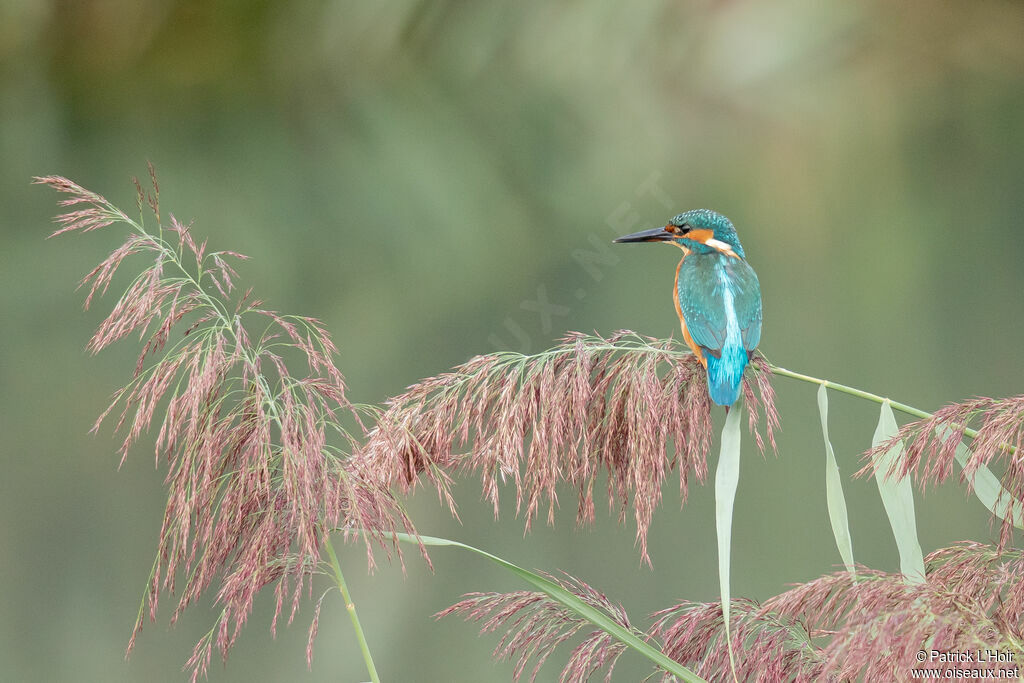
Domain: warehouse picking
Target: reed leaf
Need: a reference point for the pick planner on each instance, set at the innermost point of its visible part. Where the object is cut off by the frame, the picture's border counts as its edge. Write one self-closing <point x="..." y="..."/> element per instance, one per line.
<point x="985" y="484"/>
<point x="727" y="477"/>
<point x="569" y="601"/>
<point x="897" y="495"/>
<point x="834" y="496"/>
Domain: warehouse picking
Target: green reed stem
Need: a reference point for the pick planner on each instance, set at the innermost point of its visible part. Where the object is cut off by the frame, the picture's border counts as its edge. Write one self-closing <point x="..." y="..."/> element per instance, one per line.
<point x="896" y="405"/>
<point x="351" y="607"/>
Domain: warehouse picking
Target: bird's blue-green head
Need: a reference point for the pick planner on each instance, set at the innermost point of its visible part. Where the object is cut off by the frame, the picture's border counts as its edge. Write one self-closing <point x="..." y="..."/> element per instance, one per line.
<point x="700" y="230"/>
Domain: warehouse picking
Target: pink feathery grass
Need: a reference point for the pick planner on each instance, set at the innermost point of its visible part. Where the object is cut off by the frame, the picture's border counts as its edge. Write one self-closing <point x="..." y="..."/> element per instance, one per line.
<point x="254" y="483"/>
<point x="534" y="626"/>
<point x="870" y="628"/>
<point x="767" y="648"/>
<point x="629" y="406"/>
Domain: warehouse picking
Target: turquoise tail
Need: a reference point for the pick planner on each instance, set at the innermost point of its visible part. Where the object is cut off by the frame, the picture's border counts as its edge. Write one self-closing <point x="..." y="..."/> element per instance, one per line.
<point x="725" y="375"/>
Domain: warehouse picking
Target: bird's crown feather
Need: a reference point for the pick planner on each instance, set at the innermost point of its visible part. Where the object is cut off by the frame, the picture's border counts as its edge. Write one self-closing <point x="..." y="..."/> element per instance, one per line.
<point x="706" y="219"/>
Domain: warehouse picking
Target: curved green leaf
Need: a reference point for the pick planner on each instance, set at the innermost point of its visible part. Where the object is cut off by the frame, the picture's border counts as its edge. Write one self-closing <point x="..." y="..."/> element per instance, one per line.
<point x="897" y="497"/>
<point x="834" y="491"/>
<point x="727" y="477"/>
<point x="570" y="602"/>
<point x="987" y="488"/>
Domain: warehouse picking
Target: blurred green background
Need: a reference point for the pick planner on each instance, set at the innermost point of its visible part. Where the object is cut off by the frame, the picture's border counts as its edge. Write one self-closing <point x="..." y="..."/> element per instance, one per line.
<point x="422" y="176"/>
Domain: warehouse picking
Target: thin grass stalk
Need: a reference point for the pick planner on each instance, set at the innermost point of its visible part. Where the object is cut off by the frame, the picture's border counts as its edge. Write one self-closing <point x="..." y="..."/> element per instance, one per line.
<point x="350" y="607"/>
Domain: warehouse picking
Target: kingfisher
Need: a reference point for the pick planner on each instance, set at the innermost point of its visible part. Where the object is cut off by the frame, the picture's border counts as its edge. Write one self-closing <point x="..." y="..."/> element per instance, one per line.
<point x="717" y="296"/>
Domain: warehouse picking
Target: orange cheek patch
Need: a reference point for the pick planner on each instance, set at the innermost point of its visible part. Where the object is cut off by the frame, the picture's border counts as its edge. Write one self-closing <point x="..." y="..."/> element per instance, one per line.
<point x="701" y="236"/>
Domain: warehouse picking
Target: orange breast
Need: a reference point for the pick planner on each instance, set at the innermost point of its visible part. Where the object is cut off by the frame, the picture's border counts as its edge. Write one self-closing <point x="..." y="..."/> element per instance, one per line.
<point x="682" y="321"/>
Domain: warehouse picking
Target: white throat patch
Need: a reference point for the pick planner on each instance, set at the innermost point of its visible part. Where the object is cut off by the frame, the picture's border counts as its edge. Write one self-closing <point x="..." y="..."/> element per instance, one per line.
<point x="720" y="246"/>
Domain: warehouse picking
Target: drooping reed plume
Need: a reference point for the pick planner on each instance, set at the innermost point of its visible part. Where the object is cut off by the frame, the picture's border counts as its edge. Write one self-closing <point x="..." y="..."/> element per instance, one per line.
<point x="630" y="407"/>
<point x="535" y="626"/>
<point x="255" y="450"/>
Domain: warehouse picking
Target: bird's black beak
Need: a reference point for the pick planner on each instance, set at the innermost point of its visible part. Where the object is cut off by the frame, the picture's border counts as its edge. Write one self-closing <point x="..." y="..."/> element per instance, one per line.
<point x="652" y="235"/>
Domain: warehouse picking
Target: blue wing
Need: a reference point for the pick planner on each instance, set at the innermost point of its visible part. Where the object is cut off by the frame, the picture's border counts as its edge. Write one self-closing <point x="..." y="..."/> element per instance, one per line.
<point x="720" y="299"/>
